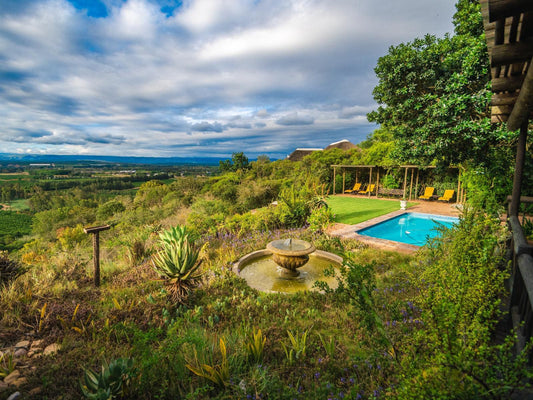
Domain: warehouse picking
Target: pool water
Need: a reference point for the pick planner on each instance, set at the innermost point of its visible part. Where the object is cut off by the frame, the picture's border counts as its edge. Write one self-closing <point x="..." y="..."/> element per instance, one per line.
<point x="410" y="228"/>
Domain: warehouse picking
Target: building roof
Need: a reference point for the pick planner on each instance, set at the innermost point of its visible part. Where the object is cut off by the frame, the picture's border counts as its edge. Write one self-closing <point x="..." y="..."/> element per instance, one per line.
<point x="509" y="33"/>
<point x="342" y="144"/>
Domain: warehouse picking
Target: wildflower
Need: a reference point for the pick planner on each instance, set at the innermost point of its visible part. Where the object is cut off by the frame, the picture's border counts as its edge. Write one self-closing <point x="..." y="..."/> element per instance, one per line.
<point x="317" y="375"/>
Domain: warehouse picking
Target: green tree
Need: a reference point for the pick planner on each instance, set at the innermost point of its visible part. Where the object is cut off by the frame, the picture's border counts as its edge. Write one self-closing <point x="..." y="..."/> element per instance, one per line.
<point x="434" y="95"/>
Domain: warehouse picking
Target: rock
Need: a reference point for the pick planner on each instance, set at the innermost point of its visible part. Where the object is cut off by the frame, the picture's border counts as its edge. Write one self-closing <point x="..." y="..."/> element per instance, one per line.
<point x="20" y="381"/>
<point x="14" y="396"/>
<point x="35" y="391"/>
<point x="20" y="352"/>
<point x="23" y="344"/>
<point x="12" y="377"/>
<point x="36" y="344"/>
<point x="51" y="349"/>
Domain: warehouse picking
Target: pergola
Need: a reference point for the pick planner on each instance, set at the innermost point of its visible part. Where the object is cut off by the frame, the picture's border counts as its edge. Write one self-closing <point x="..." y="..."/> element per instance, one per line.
<point x="509" y="33"/>
<point x="411" y="168"/>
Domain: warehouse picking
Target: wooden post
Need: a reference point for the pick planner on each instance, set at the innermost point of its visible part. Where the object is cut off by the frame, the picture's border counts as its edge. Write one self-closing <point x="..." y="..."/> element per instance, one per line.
<point x="334" y="181"/>
<point x="411" y="186"/>
<point x="405" y="182"/>
<point x="369" y="181"/>
<point x="377" y="184"/>
<point x="343" y="179"/>
<point x="95" y="231"/>
<point x="518" y="170"/>
<point x="416" y="184"/>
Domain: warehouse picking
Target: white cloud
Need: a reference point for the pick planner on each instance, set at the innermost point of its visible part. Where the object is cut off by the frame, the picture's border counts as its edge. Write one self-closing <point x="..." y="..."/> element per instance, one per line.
<point x="257" y="76"/>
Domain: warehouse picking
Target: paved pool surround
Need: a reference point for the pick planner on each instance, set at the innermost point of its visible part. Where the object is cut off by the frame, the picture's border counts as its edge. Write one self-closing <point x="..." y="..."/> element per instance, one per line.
<point x="429" y="207"/>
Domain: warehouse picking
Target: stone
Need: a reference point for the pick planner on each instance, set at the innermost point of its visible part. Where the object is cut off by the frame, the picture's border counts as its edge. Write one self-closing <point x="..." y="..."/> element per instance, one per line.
<point x="12" y="377"/>
<point x="36" y="343"/>
<point x="14" y="396"/>
<point x="35" y="391"/>
<point x="23" y="344"/>
<point x="51" y="349"/>
<point x="20" y="352"/>
<point x="20" y="381"/>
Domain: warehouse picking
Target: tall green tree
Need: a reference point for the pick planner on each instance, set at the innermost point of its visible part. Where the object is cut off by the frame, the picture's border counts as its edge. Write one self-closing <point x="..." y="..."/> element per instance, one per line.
<point x="434" y="95"/>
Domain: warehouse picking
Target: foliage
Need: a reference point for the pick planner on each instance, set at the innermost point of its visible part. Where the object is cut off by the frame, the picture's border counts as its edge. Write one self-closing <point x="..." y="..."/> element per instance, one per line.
<point x="238" y="162"/>
<point x="71" y="237"/>
<point x="218" y="374"/>
<point x="13" y="225"/>
<point x="7" y="364"/>
<point x="114" y="381"/>
<point x="107" y="210"/>
<point x="178" y="261"/>
<point x="255" y="346"/>
<point x="297" y="346"/>
<point x="320" y="218"/>
<point x="9" y="269"/>
<point x="295" y="206"/>
<point x="434" y="97"/>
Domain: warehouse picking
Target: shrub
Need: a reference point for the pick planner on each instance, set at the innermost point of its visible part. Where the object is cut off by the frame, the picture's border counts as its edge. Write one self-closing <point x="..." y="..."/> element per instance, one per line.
<point x="114" y="381"/>
<point x="178" y="262"/>
<point x="109" y="209"/>
<point x="9" y="269"/>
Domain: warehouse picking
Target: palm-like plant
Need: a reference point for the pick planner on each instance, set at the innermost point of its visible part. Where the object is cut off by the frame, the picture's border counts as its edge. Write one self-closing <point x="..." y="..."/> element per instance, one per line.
<point x="178" y="262"/>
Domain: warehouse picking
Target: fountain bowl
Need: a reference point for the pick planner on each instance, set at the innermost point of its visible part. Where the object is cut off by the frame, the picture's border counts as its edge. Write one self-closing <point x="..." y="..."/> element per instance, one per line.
<point x="262" y="273"/>
<point x="290" y="254"/>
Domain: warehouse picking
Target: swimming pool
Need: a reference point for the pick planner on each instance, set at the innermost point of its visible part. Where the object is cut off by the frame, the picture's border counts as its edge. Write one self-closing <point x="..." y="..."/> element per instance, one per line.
<point x="410" y="228"/>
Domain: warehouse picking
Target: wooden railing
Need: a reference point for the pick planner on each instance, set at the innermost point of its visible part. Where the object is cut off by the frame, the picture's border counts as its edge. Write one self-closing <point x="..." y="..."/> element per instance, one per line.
<point x="521" y="305"/>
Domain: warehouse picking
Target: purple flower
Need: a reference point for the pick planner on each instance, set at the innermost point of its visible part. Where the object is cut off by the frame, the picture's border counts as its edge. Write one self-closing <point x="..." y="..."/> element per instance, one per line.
<point x="317" y="375"/>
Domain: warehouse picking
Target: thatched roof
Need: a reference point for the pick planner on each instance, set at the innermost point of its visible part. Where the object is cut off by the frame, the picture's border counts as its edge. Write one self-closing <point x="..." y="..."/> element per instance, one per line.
<point x="342" y="144"/>
<point x="299" y="154"/>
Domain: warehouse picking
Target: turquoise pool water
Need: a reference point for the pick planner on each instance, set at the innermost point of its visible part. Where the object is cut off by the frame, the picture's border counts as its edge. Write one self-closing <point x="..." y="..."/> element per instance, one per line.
<point x="410" y="228"/>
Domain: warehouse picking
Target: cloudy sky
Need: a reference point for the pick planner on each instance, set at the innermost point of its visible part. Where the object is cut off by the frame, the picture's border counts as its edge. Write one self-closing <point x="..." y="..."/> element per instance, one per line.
<point x="196" y="77"/>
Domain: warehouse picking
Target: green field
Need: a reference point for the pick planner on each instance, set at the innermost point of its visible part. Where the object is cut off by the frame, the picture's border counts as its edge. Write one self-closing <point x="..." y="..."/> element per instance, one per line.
<point x="353" y="210"/>
<point x="14" y="224"/>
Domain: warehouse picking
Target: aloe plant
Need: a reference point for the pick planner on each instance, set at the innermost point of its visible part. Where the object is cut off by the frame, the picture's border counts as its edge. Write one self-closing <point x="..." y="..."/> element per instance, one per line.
<point x="112" y="382"/>
<point x="178" y="262"/>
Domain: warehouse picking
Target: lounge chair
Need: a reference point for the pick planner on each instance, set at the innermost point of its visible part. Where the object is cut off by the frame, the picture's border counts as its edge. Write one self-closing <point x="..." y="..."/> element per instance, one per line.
<point x="447" y="196"/>
<point x="369" y="189"/>
<point x="355" y="189"/>
<point x="427" y="193"/>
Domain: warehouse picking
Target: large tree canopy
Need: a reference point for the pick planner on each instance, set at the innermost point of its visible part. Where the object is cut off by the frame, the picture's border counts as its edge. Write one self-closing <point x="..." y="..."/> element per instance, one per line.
<point x="434" y="94"/>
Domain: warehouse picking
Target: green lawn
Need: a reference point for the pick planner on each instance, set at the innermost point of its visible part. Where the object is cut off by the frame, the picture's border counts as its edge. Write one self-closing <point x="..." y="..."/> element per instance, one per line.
<point x="353" y="210"/>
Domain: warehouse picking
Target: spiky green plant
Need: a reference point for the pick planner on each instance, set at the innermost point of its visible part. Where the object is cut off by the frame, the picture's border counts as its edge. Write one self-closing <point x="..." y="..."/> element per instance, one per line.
<point x="218" y="374"/>
<point x="114" y="381"/>
<point x="255" y="346"/>
<point x="178" y="262"/>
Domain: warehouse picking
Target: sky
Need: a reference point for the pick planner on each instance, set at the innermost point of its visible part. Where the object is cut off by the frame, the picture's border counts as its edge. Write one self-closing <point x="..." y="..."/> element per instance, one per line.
<point x="206" y="78"/>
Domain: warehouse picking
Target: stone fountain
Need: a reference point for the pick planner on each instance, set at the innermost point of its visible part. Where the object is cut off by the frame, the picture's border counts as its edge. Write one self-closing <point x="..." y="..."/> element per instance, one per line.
<point x="290" y="254"/>
<point x="287" y="266"/>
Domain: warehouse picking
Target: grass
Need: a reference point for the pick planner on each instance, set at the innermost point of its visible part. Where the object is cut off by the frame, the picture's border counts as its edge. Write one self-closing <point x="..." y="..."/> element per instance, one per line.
<point x="353" y="210"/>
<point x="19" y="205"/>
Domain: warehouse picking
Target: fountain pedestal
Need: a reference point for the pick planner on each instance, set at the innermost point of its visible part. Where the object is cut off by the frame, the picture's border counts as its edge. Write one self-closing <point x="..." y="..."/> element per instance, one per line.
<point x="290" y="254"/>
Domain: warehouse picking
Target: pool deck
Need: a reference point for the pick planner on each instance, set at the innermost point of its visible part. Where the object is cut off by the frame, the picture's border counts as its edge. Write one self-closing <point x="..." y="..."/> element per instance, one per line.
<point x="426" y="207"/>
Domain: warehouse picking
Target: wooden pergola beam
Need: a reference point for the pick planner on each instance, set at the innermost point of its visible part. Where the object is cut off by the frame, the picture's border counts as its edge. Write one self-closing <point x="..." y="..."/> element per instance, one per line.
<point x="508" y="84"/>
<point x="524" y="103"/>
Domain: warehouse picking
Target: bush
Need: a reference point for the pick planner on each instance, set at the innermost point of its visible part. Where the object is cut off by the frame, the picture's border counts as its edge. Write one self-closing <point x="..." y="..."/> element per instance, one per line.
<point x="9" y="269"/>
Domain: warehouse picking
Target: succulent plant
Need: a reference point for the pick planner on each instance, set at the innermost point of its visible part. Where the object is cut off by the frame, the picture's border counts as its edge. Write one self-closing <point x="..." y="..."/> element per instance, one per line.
<point x="178" y="262"/>
<point x="112" y="382"/>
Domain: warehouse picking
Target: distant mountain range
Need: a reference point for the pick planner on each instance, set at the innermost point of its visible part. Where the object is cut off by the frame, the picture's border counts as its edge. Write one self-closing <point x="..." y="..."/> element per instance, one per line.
<point x="50" y="158"/>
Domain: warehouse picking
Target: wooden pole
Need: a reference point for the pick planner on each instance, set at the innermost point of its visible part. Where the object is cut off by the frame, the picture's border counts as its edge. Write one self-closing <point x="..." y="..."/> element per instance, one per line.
<point x="96" y="258"/>
<point x="343" y="179"/>
<point x="370" y="181"/>
<point x="95" y="231"/>
<point x="377" y="183"/>
<point x="459" y="197"/>
<point x="411" y="186"/>
<point x="334" y="180"/>
<point x="518" y="170"/>
<point x="405" y="183"/>
<point x="416" y="185"/>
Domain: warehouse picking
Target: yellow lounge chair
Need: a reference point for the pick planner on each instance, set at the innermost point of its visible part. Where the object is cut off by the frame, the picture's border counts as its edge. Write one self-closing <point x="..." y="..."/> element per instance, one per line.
<point x="447" y="196"/>
<point x="356" y="188"/>
<point x="369" y="189"/>
<point x="427" y="193"/>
